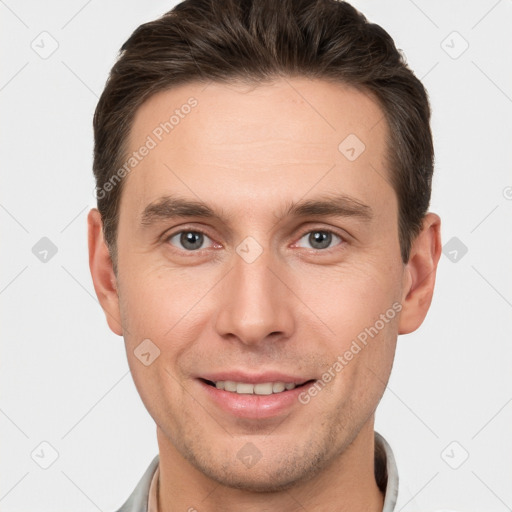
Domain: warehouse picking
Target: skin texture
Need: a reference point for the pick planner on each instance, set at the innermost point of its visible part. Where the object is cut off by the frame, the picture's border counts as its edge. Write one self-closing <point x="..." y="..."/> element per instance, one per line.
<point x="249" y="152"/>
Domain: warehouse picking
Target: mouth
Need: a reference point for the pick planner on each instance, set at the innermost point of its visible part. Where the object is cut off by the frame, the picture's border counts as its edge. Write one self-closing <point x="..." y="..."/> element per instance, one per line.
<point x="260" y="388"/>
<point x="254" y="396"/>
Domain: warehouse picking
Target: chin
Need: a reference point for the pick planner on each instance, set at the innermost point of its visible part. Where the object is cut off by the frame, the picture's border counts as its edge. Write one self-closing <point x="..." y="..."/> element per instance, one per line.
<point x="256" y="483"/>
<point x="282" y="473"/>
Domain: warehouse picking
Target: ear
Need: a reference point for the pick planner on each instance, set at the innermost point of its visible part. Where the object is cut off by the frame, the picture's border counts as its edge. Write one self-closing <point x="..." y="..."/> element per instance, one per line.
<point x="102" y="272"/>
<point x="420" y="274"/>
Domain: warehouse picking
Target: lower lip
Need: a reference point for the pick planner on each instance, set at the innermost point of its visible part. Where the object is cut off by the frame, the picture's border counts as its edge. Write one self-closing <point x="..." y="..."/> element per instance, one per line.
<point x="254" y="406"/>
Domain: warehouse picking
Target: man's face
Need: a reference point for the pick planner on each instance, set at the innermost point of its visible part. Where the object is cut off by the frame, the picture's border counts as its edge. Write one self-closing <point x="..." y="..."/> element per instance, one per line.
<point x="261" y="292"/>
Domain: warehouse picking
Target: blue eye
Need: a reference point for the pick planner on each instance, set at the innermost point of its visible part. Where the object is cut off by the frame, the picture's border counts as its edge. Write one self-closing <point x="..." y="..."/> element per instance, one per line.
<point x="319" y="239"/>
<point x="189" y="240"/>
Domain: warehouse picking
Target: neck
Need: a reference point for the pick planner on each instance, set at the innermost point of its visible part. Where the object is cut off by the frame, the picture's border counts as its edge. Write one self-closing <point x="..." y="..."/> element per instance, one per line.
<point x="347" y="484"/>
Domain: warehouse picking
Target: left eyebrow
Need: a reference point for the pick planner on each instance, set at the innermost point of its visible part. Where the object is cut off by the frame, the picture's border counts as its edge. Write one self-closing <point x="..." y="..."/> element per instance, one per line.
<point x="336" y="205"/>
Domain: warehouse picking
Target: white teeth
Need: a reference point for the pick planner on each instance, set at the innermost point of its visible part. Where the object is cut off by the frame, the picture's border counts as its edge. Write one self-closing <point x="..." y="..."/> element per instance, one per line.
<point x="263" y="388"/>
<point x="229" y="385"/>
<point x="277" y="387"/>
<point x="244" y="389"/>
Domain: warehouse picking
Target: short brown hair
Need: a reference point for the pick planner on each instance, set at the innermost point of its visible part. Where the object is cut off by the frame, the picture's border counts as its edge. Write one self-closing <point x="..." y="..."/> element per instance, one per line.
<point x="256" y="41"/>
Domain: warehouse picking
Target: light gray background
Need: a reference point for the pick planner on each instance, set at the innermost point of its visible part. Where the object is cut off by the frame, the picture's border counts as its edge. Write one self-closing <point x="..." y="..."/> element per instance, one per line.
<point x="64" y="375"/>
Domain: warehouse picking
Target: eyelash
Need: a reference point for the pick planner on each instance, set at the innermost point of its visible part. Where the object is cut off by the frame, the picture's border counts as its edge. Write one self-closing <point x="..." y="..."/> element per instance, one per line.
<point x="195" y="230"/>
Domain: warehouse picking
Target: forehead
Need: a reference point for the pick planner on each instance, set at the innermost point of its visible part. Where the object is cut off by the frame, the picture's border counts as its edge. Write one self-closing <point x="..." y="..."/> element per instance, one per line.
<point x="243" y="144"/>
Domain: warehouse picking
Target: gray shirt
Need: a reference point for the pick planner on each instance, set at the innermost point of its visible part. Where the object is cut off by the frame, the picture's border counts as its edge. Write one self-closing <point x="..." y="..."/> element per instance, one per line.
<point x="138" y="500"/>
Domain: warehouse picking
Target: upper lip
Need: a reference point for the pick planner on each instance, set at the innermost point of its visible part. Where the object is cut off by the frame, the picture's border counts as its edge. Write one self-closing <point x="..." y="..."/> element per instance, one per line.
<point x="254" y="378"/>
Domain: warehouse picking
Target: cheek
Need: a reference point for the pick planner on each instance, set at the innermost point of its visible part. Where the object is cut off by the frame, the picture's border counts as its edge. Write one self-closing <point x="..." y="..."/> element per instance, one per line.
<point x="159" y="324"/>
<point x="155" y="302"/>
<point x="361" y="361"/>
<point x="358" y="306"/>
<point x="351" y="297"/>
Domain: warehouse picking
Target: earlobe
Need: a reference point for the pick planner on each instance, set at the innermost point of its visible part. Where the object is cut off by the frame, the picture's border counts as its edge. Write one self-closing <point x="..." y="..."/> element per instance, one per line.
<point x="102" y="272"/>
<point x="420" y="275"/>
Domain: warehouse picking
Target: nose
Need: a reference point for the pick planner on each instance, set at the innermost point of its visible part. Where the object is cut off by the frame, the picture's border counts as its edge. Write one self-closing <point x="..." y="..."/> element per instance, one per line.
<point x="255" y="305"/>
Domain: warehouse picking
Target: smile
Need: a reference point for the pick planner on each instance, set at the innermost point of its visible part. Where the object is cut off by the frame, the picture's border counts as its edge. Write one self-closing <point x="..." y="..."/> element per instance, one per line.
<point x="252" y="396"/>
<point x="246" y="388"/>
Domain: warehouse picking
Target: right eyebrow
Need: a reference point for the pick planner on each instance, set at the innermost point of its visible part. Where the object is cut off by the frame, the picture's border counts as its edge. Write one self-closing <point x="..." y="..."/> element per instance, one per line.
<point x="170" y="207"/>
